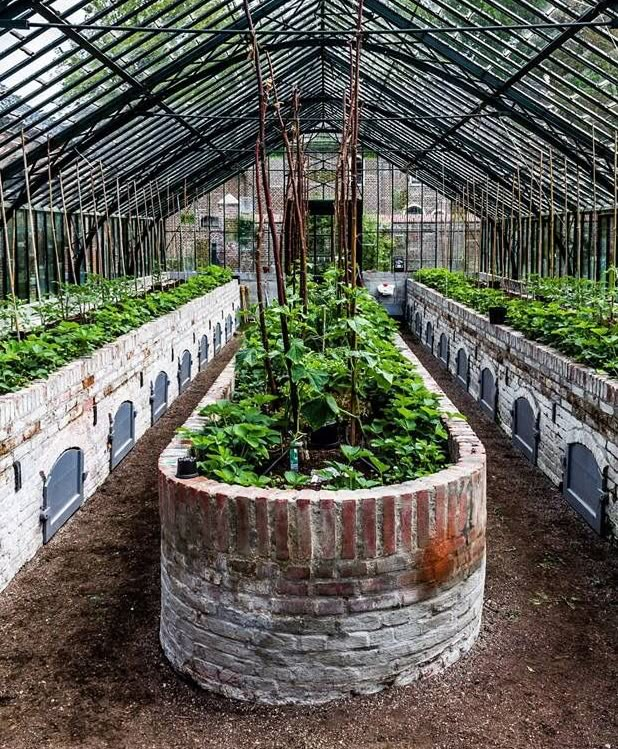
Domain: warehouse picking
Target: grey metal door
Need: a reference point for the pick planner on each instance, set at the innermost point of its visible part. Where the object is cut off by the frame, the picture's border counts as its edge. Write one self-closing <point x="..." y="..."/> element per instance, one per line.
<point x="418" y="324"/>
<point x="462" y="368"/>
<point x="184" y="371"/>
<point x="488" y="393"/>
<point x="443" y="349"/>
<point x="122" y="433"/>
<point x="525" y="429"/>
<point x="229" y="327"/>
<point x="202" y="351"/>
<point x="429" y="336"/>
<point x="158" y="397"/>
<point x="583" y="485"/>
<point x="217" y="338"/>
<point x="63" y="491"/>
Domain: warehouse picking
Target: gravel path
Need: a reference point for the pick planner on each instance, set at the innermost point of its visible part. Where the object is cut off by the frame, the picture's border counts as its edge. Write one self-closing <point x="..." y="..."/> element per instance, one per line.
<point x="80" y="664"/>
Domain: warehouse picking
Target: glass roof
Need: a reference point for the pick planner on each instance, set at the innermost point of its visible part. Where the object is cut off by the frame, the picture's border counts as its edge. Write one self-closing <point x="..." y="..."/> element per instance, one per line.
<point x="151" y="99"/>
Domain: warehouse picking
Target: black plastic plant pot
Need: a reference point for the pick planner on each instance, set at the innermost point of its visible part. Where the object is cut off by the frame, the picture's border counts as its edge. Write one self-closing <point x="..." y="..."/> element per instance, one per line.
<point x="326" y="437"/>
<point x="186" y="468"/>
<point x="497" y="315"/>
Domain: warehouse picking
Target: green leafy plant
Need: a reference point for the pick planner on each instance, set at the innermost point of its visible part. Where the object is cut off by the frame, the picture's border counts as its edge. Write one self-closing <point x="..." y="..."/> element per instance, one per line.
<point x="575" y="316"/>
<point x="42" y="351"/>
<point x="400" y="423"/>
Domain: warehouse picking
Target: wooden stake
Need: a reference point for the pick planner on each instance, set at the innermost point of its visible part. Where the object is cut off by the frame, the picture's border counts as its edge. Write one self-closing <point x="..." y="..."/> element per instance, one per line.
<point x="272" y="384"/>
<point x="67" y="228"/>
<point x="33" y="242"/>
<point x="52" y="219"/>
<point x="9" y="258"/>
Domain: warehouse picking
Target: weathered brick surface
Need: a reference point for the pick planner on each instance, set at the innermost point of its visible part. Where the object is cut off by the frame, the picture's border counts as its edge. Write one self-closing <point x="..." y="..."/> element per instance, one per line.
<point x="38" y="423"/>
<point x="573" y="402"/>
<point x="324" y="594"/>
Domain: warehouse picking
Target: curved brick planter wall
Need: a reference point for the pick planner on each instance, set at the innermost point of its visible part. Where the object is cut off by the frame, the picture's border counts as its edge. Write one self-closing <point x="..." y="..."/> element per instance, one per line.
<point x="73" y="407"/>
<point x="571" y="403"/>
<point x="304" y="596"/>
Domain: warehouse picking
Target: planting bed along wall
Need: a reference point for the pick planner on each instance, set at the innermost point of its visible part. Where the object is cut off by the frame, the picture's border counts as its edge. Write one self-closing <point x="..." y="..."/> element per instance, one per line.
<point x="60" y="437"/>
<point x="306" y="596"/>
<point x="561" y="415"/>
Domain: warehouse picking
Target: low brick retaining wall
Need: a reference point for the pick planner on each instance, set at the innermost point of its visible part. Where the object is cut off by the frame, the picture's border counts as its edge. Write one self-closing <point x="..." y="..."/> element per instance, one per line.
<point x="72" y="414"/>
<point x="284" y="596"/>
<point x="573" y="410"/>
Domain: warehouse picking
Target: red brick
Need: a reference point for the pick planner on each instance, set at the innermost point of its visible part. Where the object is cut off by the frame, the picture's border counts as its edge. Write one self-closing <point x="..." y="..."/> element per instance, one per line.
<point x="328" y="529"/>
<point x="441" y="512"/>
<point x="335" y="588"/>
<point x="281" y="529"/>
<point x="298" y="572"/>
<point x="378" y="584"/>
<point x="325" y="568"/>
<point x="422" y="518"/>
<point x="405" y="520"/>
<point x="222" y="523"/>
<point x="348" y="522"/>
<point x="389" y="528"/>
<point x="303" y="528"/>
<point x="261" y="521"/>
<point x="453" y="501"/>
<point x="242" y="525"/>
<point x="292" y="588"/>
<point x="465" y="488"/>
<point x="328" y="606"/>
<point x="353" y="569"/>
<point x="207" y="519"/>
<point x="369" y="527"/>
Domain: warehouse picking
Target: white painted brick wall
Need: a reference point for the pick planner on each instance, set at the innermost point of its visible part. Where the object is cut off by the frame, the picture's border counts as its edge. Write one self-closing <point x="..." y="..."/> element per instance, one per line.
<point x="38" y="423"/>
<point x="575" y="403"/>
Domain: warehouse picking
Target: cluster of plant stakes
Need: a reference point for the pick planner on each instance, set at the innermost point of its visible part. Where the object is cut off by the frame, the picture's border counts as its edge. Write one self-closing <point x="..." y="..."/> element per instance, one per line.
<point x="323" y="396"/>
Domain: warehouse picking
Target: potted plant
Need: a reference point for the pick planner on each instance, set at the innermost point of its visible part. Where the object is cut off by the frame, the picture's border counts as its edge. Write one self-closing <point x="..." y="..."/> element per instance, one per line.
<point x="497" y="315"/>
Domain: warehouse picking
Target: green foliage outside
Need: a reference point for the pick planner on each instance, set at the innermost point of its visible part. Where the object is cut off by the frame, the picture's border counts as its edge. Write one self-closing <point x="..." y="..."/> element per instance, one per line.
<point x="377" y="246"/>
<point x="575" y="316"/>
<point x="105" y="310"/>
<point x="138" y="52"/>
<point x="403" y="436"/>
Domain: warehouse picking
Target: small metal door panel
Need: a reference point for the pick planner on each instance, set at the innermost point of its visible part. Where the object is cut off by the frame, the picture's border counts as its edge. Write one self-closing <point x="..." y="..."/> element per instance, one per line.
<point x="429" y="336"/>
<point x="525" y="429"/>
<point x="583" y="485"/>
<point x="443" y="348"/>
<point x="63" y="491"/>
<point x="158" y="397"/>
<point x="488" y="393"/>
<point x="203" y="351"/>
<point x="122" y="436"/>
<point x="184" y="371"/>
<point x="462" y="368"/>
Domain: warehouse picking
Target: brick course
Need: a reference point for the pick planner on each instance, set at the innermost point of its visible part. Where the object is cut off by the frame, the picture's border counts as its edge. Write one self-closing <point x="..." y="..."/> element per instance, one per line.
<point x="572" y="402"/>
<point x="39" y="422"/>
<point x="283" y="596"/>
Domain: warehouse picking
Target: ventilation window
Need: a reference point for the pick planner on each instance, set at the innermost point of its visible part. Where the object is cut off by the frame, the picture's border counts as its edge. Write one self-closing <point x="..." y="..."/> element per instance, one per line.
<point x="95" y="414"/>
<point x="141" y="379"/>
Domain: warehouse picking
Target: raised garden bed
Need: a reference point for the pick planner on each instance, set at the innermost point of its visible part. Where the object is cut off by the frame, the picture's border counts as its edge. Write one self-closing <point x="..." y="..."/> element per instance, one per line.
<point x="306" y="595"/>
<point x="561" y="414"/>
<point x="61" y="435"/>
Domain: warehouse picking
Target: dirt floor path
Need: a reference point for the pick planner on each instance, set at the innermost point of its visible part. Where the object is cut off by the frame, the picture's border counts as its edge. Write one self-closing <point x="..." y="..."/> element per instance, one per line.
<point x="80" y="663"/>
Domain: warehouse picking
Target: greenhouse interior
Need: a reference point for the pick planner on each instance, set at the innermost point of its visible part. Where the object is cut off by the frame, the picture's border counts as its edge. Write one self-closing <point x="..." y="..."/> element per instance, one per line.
<point x="309" y="374"/>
